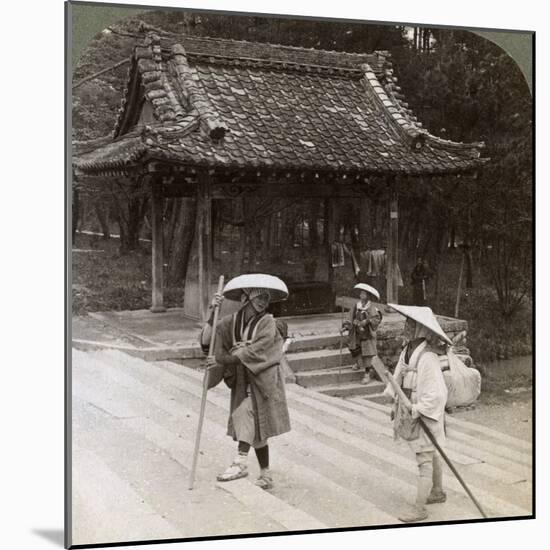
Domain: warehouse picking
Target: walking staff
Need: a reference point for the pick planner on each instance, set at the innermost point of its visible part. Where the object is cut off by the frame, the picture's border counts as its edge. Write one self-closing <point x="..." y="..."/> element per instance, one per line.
<point x="205" y="389"/>
<point x="420" y="396"/>
<point x="388" y="378"/>
<point x="247" y="357"/>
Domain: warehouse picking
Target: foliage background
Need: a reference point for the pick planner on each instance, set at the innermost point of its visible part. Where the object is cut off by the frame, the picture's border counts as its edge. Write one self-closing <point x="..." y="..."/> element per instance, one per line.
<point x="461" y="87"/>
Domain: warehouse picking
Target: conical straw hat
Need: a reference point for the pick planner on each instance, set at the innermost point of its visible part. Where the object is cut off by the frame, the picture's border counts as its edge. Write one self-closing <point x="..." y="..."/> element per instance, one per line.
<point x="368" y="288"/>
<point x="276" y="287"/>
<point x="424" y="316"/>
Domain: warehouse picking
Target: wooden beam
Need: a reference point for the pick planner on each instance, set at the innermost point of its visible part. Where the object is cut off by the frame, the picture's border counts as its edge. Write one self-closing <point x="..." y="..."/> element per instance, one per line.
<point x="157" y="200"/>
<point x="298" y="190"/>
<point x="173" y="190"/>
<point x="204" y="241"/>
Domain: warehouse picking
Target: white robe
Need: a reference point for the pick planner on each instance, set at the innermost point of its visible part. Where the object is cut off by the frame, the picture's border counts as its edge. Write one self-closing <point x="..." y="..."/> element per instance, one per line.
<point x="429" y="393"/>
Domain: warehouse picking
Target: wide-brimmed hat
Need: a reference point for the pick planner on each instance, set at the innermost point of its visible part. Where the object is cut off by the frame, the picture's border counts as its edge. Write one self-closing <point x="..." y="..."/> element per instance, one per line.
<point x="273" y="285"/>
<point x="368" y="288"/>
<point x="423" y="315"/>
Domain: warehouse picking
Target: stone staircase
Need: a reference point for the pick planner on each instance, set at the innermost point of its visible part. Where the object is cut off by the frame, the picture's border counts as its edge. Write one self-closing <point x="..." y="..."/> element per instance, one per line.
<point x="321" y="366"/>
<point x="318" y="363"/>
<point x="134" y="426"/>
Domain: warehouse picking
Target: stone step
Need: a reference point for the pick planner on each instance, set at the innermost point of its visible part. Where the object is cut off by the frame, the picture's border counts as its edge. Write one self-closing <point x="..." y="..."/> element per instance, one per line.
<point x="318" y="359"/>
<point x="338" y="460"/>
<point x="351" y="389"/>
<point x="487" y="479"/>
<point x="377" y="398"/>
<point x="394" y="485"/>
<point x="485" y="472"/>
<point x="174" y="436"/>
<point x="156" y="390"/>
<point x="315" y="342"/>
<point x="144" y="455"/>
<point x="464" y="434"/>
<point x="330" y="375"/>
<point x="497" y="454"/>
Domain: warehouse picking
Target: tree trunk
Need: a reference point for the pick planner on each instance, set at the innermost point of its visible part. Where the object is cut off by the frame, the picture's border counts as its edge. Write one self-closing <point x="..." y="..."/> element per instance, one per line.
<point x="452" y="238"/>
<point x="440" y="245"/>
<point x="135" y="220"/>
<point x="102" y="218"/>
<point x="171" y="229"/>
<point x="182" y="241"/>
<point x="469" y="268"/>
<point x="131" y="202"/>
<point x="312" y="223"/>
<point x="365" y="224"/>
<point x="266" y="238"/>
<point x="242" y="236"/>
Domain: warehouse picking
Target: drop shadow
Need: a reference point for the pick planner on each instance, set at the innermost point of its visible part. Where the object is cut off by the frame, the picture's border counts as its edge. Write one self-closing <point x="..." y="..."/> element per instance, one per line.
<point x="57" y="536"/>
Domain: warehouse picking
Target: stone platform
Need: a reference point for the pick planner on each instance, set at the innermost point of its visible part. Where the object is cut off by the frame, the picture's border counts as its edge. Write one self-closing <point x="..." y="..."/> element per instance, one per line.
<point x="172" y="335"/>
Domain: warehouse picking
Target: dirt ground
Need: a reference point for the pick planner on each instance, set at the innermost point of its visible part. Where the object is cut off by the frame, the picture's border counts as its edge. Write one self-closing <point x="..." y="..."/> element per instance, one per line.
<point x="512" y="415"/>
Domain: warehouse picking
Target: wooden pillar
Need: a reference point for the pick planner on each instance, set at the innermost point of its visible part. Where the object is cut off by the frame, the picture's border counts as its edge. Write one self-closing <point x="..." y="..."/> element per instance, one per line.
<point x="392" y="259"/>
<point x="204" y="241"/>
<point x="157" y="206"/>
<point x="330" y="235"/>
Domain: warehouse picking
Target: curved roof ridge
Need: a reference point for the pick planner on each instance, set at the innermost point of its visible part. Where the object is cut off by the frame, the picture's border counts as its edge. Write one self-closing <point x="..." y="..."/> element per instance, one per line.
<point x="194" y="94"/>
<point x="242" y="49"/>
<point x="412" y="126"/>
<point x="355" y="118"/>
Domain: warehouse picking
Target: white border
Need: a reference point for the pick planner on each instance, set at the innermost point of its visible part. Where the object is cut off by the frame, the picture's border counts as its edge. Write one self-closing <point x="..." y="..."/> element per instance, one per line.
<point x="32" y="275"/>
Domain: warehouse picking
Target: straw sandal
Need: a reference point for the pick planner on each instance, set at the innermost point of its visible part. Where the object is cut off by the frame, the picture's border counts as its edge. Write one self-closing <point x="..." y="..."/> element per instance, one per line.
<point x="436" y="497"/>
<point x="413" y="515"/>
<point x="265" y="481"/>
<point x="235" y="471"/>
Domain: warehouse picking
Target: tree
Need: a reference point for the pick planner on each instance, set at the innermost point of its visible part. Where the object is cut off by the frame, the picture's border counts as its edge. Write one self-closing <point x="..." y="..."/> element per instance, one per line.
<point x="470" y="90"/>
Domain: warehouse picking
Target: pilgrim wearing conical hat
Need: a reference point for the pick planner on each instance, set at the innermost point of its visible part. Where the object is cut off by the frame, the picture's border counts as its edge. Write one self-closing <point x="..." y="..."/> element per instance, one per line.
<point x="418" y="372"/>
<point x="424" y="316"/>
<point x="248" y="354"/>
<point x="255" y="283"/>
<point x="363" y="321"/>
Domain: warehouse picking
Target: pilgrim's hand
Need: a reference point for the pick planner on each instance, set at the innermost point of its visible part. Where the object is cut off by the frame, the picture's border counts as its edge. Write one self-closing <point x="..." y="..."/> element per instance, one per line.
<point x="211" y="362"/>
<point x="217" y="300"/>
<point x="237" y="346"/>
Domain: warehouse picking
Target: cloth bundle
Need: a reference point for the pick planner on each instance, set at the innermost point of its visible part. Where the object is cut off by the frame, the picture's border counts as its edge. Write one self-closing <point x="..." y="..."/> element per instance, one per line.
<point x="463" y="383"/>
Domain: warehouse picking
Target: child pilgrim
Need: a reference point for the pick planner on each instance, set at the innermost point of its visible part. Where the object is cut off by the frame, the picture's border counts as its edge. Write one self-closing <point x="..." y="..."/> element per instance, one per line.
<point x="418" y="372"/>
<point x="247" y="356"/>
<point x="363" y="322"/>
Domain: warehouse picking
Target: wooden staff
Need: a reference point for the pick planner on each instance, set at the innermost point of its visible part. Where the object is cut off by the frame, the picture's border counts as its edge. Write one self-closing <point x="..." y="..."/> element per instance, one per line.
<point x="205" y="389"/>
<point x="386" y="375"/>
<point x="341" y="340"/>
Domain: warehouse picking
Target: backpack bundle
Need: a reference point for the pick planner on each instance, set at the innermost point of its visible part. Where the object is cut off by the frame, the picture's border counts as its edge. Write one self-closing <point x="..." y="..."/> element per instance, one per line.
<point x="463" y="383"/>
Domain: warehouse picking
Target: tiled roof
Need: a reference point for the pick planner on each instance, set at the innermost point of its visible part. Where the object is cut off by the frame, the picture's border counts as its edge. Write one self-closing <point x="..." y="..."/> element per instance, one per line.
<point x="233" y="104"/>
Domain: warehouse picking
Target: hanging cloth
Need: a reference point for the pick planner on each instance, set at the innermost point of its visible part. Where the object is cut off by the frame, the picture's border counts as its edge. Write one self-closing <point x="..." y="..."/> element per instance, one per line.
<point x="398" y="276"/>
<point x="337" y="254"/>
<point x="354" y="264"/>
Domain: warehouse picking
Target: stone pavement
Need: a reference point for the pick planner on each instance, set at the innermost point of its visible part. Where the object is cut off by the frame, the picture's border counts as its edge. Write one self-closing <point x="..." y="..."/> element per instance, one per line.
<point x="133" y="431"/>
<point x="170" y="335"/>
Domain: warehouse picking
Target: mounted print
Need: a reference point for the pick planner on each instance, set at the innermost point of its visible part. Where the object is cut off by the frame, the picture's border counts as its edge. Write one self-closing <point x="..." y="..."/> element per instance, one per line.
<point x="301" y="274"/>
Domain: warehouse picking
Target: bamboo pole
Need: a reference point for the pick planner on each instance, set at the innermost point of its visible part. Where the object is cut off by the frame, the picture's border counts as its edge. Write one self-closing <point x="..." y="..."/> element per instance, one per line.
<point x="95" y="75"/>
<point x="341" y="340"/>
<point x="458" y="292"/>
<point x="385" y="375"/>
<point x="204" y="390"/>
